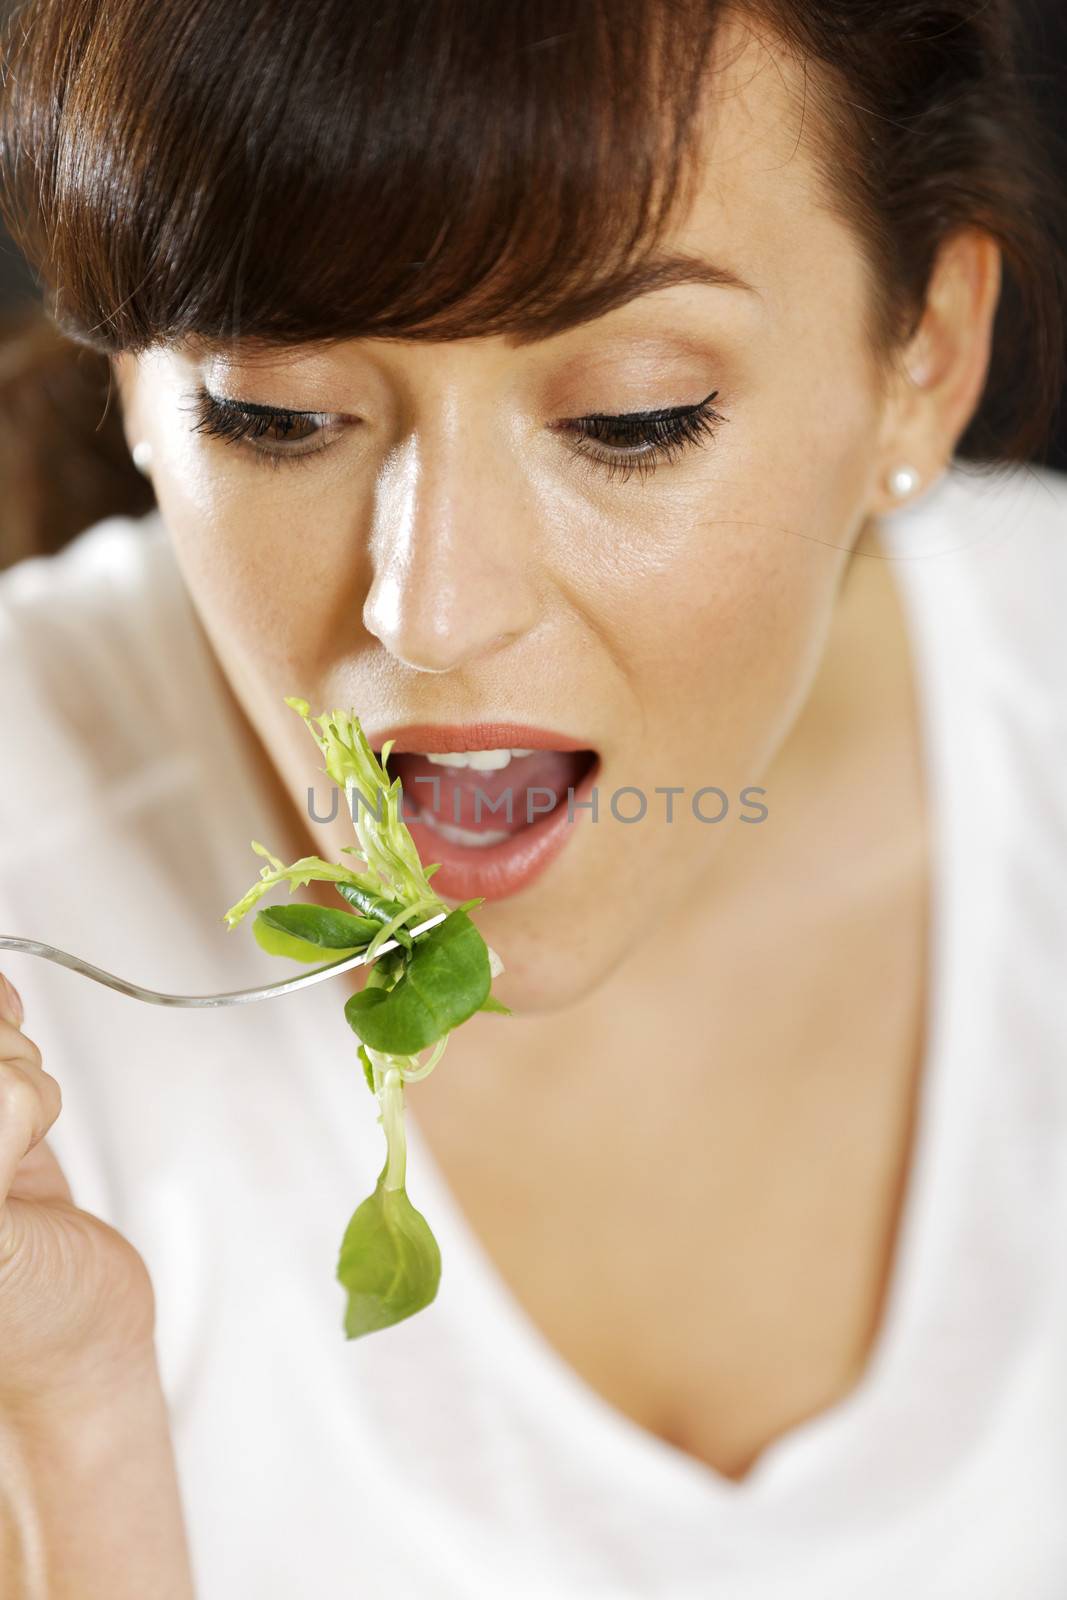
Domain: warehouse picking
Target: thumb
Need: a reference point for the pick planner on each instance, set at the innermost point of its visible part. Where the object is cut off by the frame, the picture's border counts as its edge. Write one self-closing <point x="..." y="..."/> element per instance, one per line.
<point x="40" y="1177"/>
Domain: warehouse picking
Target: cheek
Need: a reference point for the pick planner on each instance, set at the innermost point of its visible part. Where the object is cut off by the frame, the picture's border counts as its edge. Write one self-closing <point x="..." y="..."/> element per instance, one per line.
<point x="266" y="590"/>
<point x="715" y="606"/>
<point x="713" y="584"/>
<point x="716" y="618"/>
<point x="262" y="566"/>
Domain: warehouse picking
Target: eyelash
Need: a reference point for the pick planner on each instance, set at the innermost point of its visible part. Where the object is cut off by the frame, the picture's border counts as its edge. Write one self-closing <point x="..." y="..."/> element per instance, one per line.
<point x="648" y="439"/>
<point x="234" y="424"/>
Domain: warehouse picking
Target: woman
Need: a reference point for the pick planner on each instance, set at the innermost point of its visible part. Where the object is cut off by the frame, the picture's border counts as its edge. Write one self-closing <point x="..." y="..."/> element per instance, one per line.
<point x="633" y="357"/>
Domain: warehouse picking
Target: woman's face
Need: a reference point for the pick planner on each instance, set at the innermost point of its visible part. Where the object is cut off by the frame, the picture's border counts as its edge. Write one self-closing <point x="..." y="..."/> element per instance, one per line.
<point x="446" y="543"/>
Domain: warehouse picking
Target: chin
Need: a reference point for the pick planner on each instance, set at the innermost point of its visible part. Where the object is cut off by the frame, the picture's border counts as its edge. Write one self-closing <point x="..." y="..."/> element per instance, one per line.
<point x="546" y="979"/>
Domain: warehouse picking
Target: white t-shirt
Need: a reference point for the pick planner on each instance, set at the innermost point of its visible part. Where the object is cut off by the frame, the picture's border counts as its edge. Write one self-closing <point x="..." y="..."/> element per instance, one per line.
<point x="456" y="1456"/>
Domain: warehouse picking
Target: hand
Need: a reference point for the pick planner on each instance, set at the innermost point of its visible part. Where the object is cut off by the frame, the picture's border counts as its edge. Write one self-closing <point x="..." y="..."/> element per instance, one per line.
<point x="76" y="1303"/>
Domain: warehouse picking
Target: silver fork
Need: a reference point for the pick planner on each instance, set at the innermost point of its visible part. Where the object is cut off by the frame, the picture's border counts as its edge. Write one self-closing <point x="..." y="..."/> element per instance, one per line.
<point x="236" y="997"/>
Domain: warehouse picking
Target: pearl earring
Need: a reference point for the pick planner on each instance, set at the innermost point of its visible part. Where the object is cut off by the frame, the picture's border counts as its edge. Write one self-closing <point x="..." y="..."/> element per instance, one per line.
<point x="142" y="456"/>
<point x="903" y="481"/>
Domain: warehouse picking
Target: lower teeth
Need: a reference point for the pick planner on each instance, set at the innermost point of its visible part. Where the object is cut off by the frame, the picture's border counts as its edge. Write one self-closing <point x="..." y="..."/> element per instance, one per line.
<point x="464" y="836"/>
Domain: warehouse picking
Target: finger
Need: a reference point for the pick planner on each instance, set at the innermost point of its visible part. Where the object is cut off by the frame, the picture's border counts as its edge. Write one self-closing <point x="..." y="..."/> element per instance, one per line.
<point x="16" y="1045"/>
<point x="30" y="1101"/>
<point x="11" y="1007"/>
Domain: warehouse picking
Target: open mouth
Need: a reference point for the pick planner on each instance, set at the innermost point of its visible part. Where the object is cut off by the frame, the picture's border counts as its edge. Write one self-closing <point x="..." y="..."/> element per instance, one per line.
<point x="493" y="804"/>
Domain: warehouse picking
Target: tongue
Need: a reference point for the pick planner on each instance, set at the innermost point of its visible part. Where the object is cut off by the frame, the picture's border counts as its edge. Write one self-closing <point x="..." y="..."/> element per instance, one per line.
<point x="454" y="792"/>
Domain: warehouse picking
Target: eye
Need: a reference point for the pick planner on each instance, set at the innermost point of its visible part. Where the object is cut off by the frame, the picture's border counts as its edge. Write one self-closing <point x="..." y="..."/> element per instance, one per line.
<point x="640" y="441"/>
<point x="625" y="443"/>
<point x="274" y="435"/>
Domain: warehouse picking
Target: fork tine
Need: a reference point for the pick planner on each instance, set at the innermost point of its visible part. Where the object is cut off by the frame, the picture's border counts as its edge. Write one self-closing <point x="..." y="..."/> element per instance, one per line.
<point x="236" y="997"/>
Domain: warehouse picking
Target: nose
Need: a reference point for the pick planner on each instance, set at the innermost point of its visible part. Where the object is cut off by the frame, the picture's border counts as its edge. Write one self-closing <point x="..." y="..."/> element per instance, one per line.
<point x="451" y="553"/>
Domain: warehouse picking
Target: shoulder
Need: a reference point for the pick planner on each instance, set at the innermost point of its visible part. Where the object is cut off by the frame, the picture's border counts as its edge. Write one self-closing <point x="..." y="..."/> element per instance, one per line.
<point x="99" y="649"/>
<point x="95" y="600"/>
<point x="1004" y="520"/>
<point x="985" y="561"/>
<point x="1012" y="528"/>
<point x="105" y="594"/>
<point x="111" y="555"/>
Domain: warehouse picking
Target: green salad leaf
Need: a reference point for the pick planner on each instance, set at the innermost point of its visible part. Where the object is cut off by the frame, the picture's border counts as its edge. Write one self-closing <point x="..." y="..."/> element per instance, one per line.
<point x="445" y="981"/>
<point x="491" y="1003"/>
<point x="309" y="869"/>
<point x="306" y="931"/>
<point x="413" y="998"/>
<point x="390" y="1262"/>
<point x="375" y="906"/>
<point x="379" y="910"/>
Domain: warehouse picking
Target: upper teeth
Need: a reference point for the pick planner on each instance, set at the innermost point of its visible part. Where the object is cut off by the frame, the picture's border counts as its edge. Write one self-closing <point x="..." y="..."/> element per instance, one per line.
<point x="479" y="760"/>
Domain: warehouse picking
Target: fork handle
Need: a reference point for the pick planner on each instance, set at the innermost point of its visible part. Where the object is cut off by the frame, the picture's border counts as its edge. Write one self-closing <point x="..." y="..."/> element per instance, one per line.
<point x="236" y="997"/>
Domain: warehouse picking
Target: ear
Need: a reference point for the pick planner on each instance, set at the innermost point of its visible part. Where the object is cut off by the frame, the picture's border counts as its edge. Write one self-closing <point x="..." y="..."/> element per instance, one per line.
<point x="940" y="375"/>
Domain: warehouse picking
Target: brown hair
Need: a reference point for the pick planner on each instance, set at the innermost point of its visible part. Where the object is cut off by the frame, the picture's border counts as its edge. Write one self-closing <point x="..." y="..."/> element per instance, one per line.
<point x="436" y="168"/>
<point x="63" y="458"/>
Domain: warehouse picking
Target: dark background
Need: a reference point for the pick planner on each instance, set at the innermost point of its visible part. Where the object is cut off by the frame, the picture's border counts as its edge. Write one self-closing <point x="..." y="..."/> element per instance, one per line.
<point x="1044" y="33"/>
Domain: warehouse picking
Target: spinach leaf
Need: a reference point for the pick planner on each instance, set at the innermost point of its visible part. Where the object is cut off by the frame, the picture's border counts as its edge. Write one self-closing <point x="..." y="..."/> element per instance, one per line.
<point x="322" y="925"/>
<point x="491" y="1003"/>
<point x="377" y="907"/>
<point x="310" y="932"/>
<point x="370" y="905"/>
<point x="445" y="981"/>
<point x="390" y="1262"/>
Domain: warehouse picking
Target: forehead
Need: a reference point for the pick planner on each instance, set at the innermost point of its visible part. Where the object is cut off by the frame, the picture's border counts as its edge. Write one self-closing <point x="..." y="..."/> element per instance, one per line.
<point x="756" y="212"/>
<point x="763" y="200"/>
<point x="763" y="149"/>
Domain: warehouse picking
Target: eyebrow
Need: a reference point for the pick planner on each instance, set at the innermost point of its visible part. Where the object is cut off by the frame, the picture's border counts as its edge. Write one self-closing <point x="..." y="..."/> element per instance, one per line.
<point x="581" y="306"/>
<point x="644" y="277"/>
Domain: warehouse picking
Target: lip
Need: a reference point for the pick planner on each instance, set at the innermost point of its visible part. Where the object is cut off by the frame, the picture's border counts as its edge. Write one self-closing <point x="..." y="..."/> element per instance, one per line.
<point x="425" y="738"/>
<point x="498" y="870"/>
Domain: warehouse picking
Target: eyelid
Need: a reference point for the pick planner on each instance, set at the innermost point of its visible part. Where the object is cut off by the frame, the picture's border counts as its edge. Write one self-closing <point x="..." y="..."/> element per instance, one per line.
<point x="650" y="438"/>
<point x="221" y="406"/>
<point x="253" y="409"/>
<point x="657" y="414"/>
<point x="643" y="441"/>
<point x="244" y="424"/>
